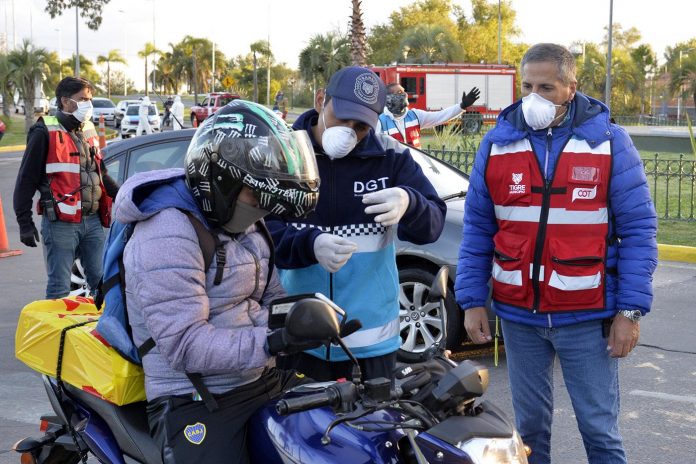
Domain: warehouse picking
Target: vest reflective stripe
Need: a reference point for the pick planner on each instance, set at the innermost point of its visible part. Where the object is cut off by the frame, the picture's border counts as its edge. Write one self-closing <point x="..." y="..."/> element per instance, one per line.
<point x="411" y="128"/>
<point x="572" y="283"/>
<point x="52" y="168"/>
<point x="69" y="209"/>
<point x="557" y="230"/>
<point x="556" y="215"/>
<point x="369" y="337"/>
<point x="507" y="277"/>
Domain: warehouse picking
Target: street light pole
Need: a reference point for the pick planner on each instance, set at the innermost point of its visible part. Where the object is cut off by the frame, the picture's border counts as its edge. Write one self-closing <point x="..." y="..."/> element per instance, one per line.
<point x="500" y="29"/>
<point x="681" y="85"/>
<point x="77" y="41"/>
<point x="125" y="51"/>
<point x="607" y="89"/>
<point x="60" y="54"/>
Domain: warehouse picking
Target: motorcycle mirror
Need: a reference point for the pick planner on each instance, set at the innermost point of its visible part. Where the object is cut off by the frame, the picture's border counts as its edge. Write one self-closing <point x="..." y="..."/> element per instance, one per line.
<point x="312" y="318"/>
<point x="438" y="289"/>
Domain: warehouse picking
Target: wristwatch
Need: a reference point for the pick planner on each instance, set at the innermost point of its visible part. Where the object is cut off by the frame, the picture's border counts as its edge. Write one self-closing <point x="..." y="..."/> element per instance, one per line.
<point x="633" y="314"/>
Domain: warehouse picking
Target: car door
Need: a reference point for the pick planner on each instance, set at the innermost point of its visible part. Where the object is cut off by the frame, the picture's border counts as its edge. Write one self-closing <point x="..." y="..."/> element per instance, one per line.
<point x="163" y="155"/>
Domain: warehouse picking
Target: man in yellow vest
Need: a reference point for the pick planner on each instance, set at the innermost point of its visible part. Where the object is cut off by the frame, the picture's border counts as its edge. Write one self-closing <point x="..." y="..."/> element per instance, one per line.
<point x="62" y="160"/>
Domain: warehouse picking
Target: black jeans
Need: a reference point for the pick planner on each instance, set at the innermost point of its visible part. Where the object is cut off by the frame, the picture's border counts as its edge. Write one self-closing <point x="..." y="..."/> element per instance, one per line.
<point x="321" y="371"/>
<point x="188" y="433"/>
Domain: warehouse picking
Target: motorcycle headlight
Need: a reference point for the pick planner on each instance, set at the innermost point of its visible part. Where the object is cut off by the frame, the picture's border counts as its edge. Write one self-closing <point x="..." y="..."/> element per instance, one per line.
<point x="495" y="450"/>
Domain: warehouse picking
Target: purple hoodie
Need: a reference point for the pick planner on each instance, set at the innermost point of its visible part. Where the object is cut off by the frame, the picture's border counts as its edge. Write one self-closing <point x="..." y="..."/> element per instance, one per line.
<point x="216" y="330"/>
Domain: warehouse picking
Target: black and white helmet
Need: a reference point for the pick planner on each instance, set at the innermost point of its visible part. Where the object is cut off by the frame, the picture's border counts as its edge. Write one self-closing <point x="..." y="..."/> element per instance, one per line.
<point x="244" y="143"/>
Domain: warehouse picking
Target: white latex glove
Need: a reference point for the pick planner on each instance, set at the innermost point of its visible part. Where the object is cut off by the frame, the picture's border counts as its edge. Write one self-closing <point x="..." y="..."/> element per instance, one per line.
<point x="390" y="204"/>
<point x="333" y="251"/>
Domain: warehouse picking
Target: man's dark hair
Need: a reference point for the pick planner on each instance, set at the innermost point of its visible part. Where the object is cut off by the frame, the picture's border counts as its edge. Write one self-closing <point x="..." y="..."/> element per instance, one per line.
<point x="69" y="86"/>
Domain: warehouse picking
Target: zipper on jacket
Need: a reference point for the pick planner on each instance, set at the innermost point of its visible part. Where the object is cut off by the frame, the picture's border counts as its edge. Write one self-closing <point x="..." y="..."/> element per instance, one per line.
<point x="543" y="219"/>
<point x="332" y="221"/>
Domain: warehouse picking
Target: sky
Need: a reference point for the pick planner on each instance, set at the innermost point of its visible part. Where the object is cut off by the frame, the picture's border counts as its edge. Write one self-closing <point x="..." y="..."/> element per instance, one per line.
<point x="234" y="24"/>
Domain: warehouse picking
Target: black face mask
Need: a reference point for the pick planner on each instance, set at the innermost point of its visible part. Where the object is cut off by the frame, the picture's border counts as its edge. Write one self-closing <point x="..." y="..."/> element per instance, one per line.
<point x="397" y="104"/>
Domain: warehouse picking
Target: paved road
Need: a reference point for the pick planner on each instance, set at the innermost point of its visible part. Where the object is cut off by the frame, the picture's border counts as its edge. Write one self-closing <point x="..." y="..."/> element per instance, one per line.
<point x="658" y="418"/>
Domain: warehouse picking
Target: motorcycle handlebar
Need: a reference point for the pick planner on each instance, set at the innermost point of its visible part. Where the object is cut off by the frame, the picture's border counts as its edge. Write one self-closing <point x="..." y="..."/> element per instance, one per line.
<point x="333" y="396"/>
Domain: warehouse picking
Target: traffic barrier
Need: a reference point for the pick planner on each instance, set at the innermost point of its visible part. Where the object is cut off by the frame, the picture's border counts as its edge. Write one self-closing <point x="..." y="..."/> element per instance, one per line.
<point x="102" y="132"/>
<point x="4" y="243"/>
<point x="195" y="121"/>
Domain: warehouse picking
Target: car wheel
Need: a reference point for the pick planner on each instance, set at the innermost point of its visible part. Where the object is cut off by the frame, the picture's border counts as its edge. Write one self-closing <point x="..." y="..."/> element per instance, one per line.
<point x="78" y="280"/>
<point x="421" y="322"/>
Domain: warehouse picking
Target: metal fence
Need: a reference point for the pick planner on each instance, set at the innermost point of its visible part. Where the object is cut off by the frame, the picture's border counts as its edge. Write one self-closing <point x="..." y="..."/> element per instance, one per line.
<point x="672" y="179"/>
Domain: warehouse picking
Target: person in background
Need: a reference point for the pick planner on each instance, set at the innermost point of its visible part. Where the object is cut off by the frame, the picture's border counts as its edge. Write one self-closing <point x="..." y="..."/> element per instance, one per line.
<point x="2" y="129"/>
<point x="559" y="214"/>
<point x="143" y="117"/>
<point x="177" y="113"/>
<point x="405" y="124"/>
<point x="371" y="192"/>
<point x="62" y="160"/>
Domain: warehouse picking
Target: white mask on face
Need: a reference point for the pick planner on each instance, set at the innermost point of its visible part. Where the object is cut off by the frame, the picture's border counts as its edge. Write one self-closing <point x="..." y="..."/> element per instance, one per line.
<point x="538" y="111"/>
<point x="84" y="110"/>
<point x="337" y="141"/>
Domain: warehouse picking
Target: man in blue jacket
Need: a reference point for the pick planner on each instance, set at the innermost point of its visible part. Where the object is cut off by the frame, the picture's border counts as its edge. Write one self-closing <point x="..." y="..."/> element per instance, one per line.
<point x="371" y="190"/>
<point x="559" y="214"/>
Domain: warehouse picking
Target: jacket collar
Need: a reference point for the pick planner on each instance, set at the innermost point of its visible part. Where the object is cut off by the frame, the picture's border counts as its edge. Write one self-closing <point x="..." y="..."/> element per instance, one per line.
<point x="68" y="121"/>
<point x="367" y="147"/>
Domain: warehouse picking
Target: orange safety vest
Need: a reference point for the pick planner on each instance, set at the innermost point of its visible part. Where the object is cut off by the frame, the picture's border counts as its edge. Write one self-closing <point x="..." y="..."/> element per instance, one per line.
<point x="411" y="127"/>
<point x="551" y="245"/>
<point x="63" y="172"/>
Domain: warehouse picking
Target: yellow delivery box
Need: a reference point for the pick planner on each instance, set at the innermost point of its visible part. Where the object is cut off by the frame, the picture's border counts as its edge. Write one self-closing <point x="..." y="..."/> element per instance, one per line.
<point x="87" y="361"/>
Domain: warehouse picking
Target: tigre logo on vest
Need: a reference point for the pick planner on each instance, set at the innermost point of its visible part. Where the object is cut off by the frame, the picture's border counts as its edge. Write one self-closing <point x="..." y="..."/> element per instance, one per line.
<point x="516" y="188"/>
<point x="195" y="433"/>
<point x="584" y="193"/>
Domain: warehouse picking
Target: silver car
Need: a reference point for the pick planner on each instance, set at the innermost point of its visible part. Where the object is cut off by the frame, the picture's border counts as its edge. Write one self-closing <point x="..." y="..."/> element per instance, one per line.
<point x="105" y="107"/>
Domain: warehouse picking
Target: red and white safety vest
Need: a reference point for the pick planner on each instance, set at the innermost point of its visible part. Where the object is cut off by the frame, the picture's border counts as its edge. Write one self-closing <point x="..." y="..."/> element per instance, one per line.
<point x="63" y="172"/>
<point x="551" y="244"/>
<point x="411" y="127"/>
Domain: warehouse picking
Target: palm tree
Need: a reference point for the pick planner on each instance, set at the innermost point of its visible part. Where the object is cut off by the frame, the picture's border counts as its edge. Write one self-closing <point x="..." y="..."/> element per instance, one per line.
<point x="262" y="48"/>
<point x="428" y="43"/>
<point x="145" y="53"/>
<point x="358" y="47"/>
<point x="323" y="56"/>
<point x="114" y="56"/>
<point x="27" y="67"/>
<point x="6" y="84"/>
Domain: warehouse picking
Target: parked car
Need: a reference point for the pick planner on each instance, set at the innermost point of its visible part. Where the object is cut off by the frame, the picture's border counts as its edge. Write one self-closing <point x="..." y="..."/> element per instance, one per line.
<point x="105" y="107"/>
<point x="422" y="322"/>
<point x="210" y="105"/>
<point x="120" y="110"/>
<point x="129" y="124"/>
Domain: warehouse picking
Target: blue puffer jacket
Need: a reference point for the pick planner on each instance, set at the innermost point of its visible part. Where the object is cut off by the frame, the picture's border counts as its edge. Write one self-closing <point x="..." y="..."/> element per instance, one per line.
<point x="367" y="286"/>
<point x="632" y="214"/>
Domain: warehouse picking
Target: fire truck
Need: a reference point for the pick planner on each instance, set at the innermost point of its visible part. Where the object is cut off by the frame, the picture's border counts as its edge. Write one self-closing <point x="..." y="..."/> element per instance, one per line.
<point x="437" y="86"/>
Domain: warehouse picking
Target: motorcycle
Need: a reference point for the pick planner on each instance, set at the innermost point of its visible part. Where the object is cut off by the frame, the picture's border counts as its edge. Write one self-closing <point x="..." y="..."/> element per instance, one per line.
<point x="431" y="413"/>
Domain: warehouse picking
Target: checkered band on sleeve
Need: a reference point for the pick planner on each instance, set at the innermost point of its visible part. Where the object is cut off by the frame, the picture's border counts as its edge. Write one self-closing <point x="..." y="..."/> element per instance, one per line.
<point x="348" y="230"/>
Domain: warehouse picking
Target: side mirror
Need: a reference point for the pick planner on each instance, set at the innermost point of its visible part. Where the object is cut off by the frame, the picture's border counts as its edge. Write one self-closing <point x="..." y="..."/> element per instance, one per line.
<point x="313" y="319"/>
<point x="438" y="290"/>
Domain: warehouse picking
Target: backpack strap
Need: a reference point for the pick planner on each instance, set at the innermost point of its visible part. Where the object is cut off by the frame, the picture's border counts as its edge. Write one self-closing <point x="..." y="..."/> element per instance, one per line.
<point x="271" y="260"/>
<point x="206" y="239"/>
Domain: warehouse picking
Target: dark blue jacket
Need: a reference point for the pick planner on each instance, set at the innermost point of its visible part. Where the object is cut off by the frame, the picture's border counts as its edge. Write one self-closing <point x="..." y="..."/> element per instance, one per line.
<point x="367" y="286"/>
<point x="632" y="214"/>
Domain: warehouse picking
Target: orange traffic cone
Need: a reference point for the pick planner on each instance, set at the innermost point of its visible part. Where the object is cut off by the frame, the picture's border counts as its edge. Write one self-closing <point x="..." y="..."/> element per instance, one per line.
<point x="4" y="243"/>
<point x="102" y="132"/>
<point x="195" y="121"/>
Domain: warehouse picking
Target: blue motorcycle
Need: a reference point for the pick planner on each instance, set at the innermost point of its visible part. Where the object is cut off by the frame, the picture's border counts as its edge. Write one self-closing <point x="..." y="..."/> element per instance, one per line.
<point x="430" y="413"/>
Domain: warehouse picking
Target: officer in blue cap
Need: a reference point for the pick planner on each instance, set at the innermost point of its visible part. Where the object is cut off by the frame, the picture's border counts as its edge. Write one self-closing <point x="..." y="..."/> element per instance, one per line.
<point x="371" y="189"/>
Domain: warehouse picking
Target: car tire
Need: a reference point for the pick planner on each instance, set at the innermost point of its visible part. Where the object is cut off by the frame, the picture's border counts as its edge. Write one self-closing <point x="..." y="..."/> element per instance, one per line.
<point x="78" y="280"/>
<point x="417" y="335"/>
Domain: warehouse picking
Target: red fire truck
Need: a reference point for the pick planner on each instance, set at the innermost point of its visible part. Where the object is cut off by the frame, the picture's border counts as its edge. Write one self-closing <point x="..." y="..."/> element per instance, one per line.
<point x="437" y="86"/>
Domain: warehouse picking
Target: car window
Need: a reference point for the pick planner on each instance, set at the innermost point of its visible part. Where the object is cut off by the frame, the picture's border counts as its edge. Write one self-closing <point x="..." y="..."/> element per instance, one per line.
<point x="225" y="100"/>
<point x="205" y="102"/>
<point x="134" y="109"/>
<point x="158" y="156"/>
<point x="114" y="166"/>
<point x="446" y="179"/>
<point x="102" y="103"/>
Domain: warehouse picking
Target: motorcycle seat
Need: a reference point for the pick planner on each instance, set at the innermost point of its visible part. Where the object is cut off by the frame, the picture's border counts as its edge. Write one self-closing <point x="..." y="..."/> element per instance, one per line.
<point x="128" y="424"/>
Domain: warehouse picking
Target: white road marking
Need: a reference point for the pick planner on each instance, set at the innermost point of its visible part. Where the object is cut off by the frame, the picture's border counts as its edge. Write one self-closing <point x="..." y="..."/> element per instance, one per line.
<point x="664" y="396"/>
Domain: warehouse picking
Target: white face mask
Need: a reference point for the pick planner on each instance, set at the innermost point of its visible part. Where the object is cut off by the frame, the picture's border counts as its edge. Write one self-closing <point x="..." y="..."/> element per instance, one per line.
<point x="337" y="141"/>
<point x="538" y="111"/>
<point x="84" y="110"/>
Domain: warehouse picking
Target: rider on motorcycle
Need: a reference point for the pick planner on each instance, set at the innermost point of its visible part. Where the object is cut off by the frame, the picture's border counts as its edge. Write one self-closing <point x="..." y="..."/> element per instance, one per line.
<point x="242" y="163"/>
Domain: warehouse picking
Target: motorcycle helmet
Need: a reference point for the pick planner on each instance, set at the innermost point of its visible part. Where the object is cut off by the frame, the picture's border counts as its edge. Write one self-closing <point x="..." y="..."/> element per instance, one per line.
<point x="244" y="143"/>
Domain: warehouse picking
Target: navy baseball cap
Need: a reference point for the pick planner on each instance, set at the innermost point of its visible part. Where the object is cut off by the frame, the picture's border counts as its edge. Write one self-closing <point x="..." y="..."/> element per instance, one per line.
<point x="357" y="93"/>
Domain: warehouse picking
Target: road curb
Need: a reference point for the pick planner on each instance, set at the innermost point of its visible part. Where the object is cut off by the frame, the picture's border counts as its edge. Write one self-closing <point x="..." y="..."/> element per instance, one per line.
<point x="681" y="253"/>
<point x="10" y="148"/>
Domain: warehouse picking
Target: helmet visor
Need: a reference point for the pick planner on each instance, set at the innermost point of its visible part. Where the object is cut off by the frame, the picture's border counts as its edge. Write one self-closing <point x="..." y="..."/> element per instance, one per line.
<point x="285" y="156"/>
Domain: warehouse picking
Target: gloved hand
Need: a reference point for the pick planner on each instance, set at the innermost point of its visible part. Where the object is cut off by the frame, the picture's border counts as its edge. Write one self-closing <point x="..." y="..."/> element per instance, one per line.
<point x="390" y="203"/>
<point x="29" y="235"/>
<point x="333" y="251"/>
<point x="280" y="341"/>
<point x="468" y="99"/>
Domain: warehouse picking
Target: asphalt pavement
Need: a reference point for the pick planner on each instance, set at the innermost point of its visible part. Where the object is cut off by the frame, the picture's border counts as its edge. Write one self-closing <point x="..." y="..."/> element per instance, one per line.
<point x="658" y="410"/>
